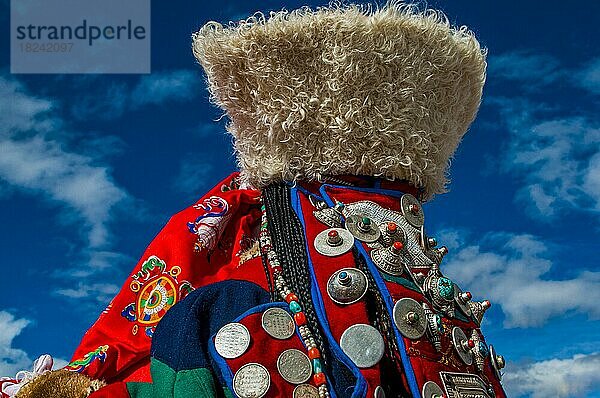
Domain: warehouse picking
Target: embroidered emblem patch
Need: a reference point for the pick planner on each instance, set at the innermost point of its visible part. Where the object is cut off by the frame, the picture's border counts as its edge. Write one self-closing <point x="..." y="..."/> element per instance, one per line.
<point x="79" y="365"/>
<point x="157" y="290"/>
<point x="210" y="224"/>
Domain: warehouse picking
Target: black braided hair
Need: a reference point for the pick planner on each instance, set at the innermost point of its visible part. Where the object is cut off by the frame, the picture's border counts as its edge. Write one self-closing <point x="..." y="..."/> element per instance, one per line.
<point x="287" y="238"/>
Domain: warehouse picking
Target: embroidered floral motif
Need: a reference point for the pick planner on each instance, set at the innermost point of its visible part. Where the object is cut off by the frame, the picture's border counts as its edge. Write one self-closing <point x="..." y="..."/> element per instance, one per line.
<point x="210" y="224"/>
<point x="80" y="364"/>
<point x="157" y="290"/>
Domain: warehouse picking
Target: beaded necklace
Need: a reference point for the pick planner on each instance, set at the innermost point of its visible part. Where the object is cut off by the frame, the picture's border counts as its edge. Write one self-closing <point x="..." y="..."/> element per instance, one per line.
<point x="293" y="302"/>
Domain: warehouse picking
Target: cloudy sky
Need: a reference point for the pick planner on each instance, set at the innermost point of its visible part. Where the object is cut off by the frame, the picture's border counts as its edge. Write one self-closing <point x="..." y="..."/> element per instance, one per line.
<point x="91" y="167"/>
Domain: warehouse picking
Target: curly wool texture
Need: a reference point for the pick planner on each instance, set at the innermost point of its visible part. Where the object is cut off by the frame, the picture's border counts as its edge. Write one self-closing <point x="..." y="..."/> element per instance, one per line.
<point x="384" y="92"/>
<point x="60" y="384"/>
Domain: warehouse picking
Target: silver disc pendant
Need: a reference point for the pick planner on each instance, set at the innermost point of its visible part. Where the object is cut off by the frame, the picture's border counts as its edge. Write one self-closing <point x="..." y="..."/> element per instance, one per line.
<point x="294" y="366"/>
<point x="432" y="390"/>
<point x="251" y="381"/>
<point x="363" y="344"/>
<point x="363" y="228"/>
<point x="347" y="285"/>
<point x="305" y="391"/>
<point x="278" y="323"/>
<point x="378" y="393"/>
<point x="410" y="319"/>
<point x="412" y="210"/>
<point x="461" y="344"/>
<point x="232" y="340"/>
<point x="497" y="362"/>
<point x="334" y="242"/>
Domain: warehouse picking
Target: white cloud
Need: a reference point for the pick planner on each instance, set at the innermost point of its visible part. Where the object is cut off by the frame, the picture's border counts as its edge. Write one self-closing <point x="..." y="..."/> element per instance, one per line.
<point x="12" y="359"/>
<point x="525" y="66"/>
<point x="561" y="378"/>
<point x="101" y="101"/>
<point x="192" y="176"/>
<point x="103" y="292"/>
<point x="515" y="275"/>
<point x="589" y="76"/>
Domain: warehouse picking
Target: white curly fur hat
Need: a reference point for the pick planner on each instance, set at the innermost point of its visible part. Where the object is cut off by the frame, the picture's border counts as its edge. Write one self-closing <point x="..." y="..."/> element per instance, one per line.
<point x="386" y="92"/>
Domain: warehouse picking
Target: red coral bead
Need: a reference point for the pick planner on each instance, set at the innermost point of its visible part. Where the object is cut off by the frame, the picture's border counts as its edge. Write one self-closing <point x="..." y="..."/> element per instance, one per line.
<point x="300" y="318"/>
<point x="314" y="353"/>
<point x="277" y="268"/>
<point x="291" y="297"/>
<point x="398" y="246"/>
<point x="319" y="378"/>
<point x="333" y="233"/>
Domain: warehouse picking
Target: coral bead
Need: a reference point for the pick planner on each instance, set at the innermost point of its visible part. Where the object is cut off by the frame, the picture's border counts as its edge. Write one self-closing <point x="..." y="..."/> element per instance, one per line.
<point x="291" y="297"/>
<point x="319" y="378"/>
<point x="314" y="353"/>
<point x="300" y="318"/>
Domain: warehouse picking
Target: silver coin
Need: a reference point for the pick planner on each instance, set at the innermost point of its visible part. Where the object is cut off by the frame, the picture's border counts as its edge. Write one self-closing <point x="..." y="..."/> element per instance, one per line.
<point x="410" y="319"/>
<point x="497" y="362"/>
<point x="324" y="245"/>
<point x="459" y="339"/>
<point x="306" y="391"/>
<point x="379" y="393"/>
<point x="232" y="340"/>
<point x="251" y="381"/>
<point x="462" y="304"/>
<point x="412" y="210"/>
<point x="363" y="344"/>
<point x="357" y="225"/>
<point x="294" y="366"/>
<point x="432" y="390"/>
<point x="278" y="323"/>
<point x="347" y="285"/>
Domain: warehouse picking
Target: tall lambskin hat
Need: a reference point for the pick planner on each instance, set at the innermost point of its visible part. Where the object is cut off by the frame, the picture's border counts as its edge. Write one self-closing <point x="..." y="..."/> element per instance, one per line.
<point x="386" y="92"/>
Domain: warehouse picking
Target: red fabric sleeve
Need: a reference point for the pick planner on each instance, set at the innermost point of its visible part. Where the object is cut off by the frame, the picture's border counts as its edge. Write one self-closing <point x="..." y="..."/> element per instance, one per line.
<point x="186" y="254"/>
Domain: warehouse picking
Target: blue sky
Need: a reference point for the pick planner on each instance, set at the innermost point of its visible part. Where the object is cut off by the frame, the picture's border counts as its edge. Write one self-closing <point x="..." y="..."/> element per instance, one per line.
<point x="91" y="167"/>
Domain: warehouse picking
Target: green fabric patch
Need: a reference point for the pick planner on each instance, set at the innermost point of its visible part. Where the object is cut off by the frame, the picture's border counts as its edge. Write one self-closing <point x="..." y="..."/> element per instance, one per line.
<point x="166" y="383"/>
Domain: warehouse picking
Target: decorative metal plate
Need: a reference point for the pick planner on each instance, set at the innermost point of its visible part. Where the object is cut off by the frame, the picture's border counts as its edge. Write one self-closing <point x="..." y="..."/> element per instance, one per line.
<point x="369" y="233"/>
<point x="432" y="390"/>
<point x="306" y="391"/>
<point x="329" y="217"/>
<point x="232" y="340"/>
<point x="363" y="344"/>
<point x="347" y="285"/>
<point x="278" y="323"/>
<point x="327" y="247"/>
<point x="462" y="304"/>
<point x="294" y="366"/>
<point x="380" y="215"/>
<point x="459" y="339"/>
<point x="463" y="385"/>
<point x="378" y="393"/>
<point x="410" y="318"/>
<point x="251" y="381"/>
<point x="412" y="210"/>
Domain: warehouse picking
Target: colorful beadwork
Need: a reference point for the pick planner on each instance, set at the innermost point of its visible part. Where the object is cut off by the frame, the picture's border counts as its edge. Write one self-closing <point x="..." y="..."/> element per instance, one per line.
<point x="294" y="304"/>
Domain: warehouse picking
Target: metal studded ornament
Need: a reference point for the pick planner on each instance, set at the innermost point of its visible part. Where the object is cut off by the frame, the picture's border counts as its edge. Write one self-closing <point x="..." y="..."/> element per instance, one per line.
<point x="391" y="260"/>
<point x="334" y="242"/>
<point x="434" y="327"/>
<point x="440" y="290"/>
<point x="478" y="309"/>
<point x="278" y="323"/>
<point x="410" y="318"/>
<point x="347" y="285"/>
<point x="362" y="228"/>
<point x="363" y="344"/>
<point x="480" y="350"/>
<point x="232" y="340"/>
<point x="462" y="300"/>
<point x="251" y="381"/>
<point x="412" y="210"/>
<point x="462" y="345"/>
<point x="294" y="366"/>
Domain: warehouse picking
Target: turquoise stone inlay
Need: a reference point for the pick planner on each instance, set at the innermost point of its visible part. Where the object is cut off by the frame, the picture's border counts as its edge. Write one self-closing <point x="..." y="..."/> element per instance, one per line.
<point x="446" y="288"/>
<point x="318" y="368"/>
<point x="295" y="307"/>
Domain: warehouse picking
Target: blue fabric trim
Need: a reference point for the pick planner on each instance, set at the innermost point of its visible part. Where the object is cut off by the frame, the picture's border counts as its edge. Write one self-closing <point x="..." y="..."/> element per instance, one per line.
<point x="360" y="388"/>
<point x="389" y="303"/>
